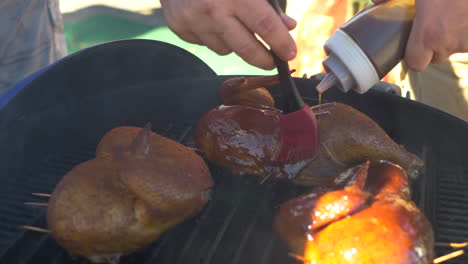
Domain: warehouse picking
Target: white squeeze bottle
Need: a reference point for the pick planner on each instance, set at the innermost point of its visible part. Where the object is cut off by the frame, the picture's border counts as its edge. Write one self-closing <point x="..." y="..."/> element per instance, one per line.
<point x="368" y="46"/>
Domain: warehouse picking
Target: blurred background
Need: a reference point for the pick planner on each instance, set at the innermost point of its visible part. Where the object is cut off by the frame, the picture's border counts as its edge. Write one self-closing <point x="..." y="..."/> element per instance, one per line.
<point x="91" y="22"/>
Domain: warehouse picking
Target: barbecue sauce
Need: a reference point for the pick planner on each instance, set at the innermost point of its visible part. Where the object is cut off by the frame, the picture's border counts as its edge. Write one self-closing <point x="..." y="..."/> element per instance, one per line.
<point x="368" y="46"/>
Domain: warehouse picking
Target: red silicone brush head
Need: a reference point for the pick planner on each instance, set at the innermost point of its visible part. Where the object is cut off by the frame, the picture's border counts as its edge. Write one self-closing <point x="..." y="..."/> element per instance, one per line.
<point x="299" y="135"/>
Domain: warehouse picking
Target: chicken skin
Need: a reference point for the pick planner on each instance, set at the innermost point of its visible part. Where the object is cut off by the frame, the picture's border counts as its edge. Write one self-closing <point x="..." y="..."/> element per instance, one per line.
<point x="243" y="136"/>
<point x="370" y="220"/>
<point x="139" y="185"/>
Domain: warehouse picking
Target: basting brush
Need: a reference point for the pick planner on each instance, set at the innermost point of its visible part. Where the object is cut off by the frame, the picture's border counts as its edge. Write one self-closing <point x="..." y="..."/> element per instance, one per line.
<point x="298" y="125"/>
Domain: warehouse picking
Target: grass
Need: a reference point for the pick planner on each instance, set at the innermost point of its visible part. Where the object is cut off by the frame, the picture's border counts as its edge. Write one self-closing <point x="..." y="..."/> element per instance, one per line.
<point x="103" y="28"/>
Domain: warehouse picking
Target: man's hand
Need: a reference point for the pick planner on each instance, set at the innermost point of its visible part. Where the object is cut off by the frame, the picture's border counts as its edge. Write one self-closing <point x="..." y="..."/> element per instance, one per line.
<point x="227" y="26"/>
<point x="440" y="29"/>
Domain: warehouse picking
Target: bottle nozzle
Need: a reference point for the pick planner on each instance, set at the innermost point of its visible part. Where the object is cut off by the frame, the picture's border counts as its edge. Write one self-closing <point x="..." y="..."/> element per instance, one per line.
<point x="326" y="83"/>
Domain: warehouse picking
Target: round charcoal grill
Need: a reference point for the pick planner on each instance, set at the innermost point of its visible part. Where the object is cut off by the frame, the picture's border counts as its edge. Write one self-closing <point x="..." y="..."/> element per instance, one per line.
<point x="54" y="119"/>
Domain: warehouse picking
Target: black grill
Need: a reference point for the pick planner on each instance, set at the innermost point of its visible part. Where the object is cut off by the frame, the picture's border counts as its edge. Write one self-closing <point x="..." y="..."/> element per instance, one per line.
<point x="226" y="231"/>
<point x="56" y="123"/>
<point x="235" y="227"/>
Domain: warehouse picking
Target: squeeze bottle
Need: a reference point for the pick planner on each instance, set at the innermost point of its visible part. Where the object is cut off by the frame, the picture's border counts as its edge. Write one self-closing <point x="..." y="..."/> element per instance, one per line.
<point x="368" y="46"/>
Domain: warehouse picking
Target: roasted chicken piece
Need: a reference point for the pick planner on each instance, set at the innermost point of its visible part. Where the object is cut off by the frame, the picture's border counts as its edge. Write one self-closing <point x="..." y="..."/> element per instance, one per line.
<point x="242" y="135"/>
<point x="370" y="220"/>
<point x="139" y="185"/>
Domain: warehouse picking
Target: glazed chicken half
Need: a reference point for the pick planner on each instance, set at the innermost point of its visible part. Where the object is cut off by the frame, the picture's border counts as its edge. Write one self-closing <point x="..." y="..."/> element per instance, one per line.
<point x="242" y="135"/>
<point x="139" y="185"/>
<point x="371" y="219"/>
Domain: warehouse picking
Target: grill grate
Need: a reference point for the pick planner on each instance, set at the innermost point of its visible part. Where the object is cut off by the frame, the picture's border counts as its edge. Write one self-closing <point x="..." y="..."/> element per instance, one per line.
<point x="209" y="238"/>
<point x="235" y="227"/>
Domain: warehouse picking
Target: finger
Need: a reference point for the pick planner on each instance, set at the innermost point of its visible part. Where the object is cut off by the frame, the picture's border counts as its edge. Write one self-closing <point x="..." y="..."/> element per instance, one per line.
<point x="177" y="26"/>
<point x="260" y="18"/>
<point x="288" y="21"/>
<point x="199" y="21"/>
<point x="215" y="43"/>
<point x="462" y="44"/>
<point x="417" y="55"/>
<point x="439" y="57"/>
<point x="189" y="37"/>
<point x="244" y="43"/>
<point x="206" y="35"/>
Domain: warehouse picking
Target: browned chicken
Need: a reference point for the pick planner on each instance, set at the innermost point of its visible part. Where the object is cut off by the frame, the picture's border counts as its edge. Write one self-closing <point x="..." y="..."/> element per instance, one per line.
<point x="370" y="220"/>
<point x="139" y="185"/>
<point x="242" y="135"/>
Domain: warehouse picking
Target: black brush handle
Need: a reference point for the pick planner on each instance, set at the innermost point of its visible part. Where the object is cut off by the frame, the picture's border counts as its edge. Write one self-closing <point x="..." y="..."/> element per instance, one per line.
<point x="291" y="98"/>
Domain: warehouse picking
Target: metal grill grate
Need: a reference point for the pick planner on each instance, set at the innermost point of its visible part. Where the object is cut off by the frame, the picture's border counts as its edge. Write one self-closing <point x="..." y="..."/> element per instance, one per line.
<point x="235" y="227"/>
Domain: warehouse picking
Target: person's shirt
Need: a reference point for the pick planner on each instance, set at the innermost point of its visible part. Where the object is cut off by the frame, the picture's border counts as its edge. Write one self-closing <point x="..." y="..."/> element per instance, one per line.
<point x="31" y="37"/>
